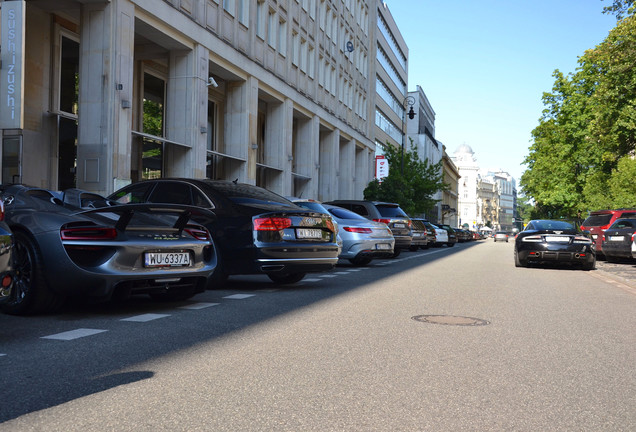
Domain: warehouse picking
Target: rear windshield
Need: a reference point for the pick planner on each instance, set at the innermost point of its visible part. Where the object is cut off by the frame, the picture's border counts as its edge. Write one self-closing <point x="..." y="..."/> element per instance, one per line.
<point x="247" y="194"/>
<point x="552" y="225"/>
<point x="598" y="220"/>
<point x="390" y="211"/>
<point x="342" y="213"/>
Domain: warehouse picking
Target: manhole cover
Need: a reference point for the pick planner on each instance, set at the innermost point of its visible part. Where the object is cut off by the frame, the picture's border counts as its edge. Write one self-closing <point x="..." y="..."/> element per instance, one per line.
<point x="451" y="320"/>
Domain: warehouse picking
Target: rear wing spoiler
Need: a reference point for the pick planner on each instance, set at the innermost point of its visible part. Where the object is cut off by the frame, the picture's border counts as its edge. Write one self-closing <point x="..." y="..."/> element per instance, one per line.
<point x="126" y="212"/>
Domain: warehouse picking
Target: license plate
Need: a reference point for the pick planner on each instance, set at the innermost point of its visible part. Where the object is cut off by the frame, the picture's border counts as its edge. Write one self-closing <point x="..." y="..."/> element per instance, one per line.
<point x="399" y="225"/>
<point x="167" y="259"/>
<point x="616" y="238"/>
<point x="557" y="239"/>
<point x="383" y="246"/>
<point x="308" y="233"/>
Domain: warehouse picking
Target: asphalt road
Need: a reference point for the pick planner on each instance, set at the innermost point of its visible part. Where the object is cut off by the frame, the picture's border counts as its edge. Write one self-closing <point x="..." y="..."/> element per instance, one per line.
<point x="439" y="340"/>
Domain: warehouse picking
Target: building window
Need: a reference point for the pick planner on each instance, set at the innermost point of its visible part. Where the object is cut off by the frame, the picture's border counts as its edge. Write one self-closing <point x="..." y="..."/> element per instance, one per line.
<point x="229" y="6"/>
<point x="68" y="109"/>
<point x="244" y="12"/>
<point x="260" y="19"/>
<point x="271" y="29"/>
<point x="153" y="124"/>
<point x="282" y="38"/>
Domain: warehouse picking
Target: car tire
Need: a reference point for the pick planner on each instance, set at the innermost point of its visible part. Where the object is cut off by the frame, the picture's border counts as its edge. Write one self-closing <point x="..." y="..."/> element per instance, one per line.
<point x="413" y="248"/>
<point x="219" y="276"/>
<point x="31" y="293"/>
<point x="518" y="262"/>
<point x="424" y="246"/>
<point x="287" y="278"/>
<point x="589" y="266"/>
<point x="360" y="261"/>
<point x="450" y="244"/>
<point x="396" y="253"/>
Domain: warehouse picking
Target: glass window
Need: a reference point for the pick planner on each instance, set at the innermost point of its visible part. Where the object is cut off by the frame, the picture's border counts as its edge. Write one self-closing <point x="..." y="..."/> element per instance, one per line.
<point x="133" y="194"/>
<point x="153" y="119"/>
<point x="344" y="213"/>
<point x="171" y="192"/>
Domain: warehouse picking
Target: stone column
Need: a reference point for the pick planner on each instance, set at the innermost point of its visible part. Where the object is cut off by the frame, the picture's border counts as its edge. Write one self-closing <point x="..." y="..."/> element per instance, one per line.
<point x="186" y="113"/>
<point x="328" y="175"/>
<point x="105" y="96"/>
<point x="240" y="129"/>
<point x="346" y="170"/>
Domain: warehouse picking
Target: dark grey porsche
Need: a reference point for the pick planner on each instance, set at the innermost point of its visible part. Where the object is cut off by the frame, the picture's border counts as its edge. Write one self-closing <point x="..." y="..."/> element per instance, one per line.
<point x="62" y="250"/>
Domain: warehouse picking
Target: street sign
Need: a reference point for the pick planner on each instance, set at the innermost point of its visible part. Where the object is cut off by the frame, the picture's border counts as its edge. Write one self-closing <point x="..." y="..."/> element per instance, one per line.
<point x="381" y="167"/>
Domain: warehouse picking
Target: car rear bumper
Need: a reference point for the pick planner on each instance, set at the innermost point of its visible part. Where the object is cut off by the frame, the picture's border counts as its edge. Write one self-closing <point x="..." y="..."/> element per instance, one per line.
<point x="368" y="248"/>
<point x="569" y="255"/>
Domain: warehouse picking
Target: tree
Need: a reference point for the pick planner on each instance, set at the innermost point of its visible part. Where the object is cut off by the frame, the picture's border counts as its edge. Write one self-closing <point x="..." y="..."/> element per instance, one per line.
<point x="587" y="129"/>
<point x="413" y="186"/>
<point x="620" y="8"/>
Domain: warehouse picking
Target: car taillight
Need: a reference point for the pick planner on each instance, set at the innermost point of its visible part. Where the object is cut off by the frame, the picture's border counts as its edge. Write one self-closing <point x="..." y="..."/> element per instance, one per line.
<point x="271" y="224"/>
<point x="1" y="210"/>
<point x="330" y="225"/>
<point x="384" y="221"/>
<point x="358" y="230"/>
<point x="92" y="233"/>
<point x="198" y="233"/>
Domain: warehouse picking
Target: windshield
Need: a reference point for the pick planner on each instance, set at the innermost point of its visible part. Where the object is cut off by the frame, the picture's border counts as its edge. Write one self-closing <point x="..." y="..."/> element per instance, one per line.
<point x="390" y="211"/>
<point x="344" y="213"/>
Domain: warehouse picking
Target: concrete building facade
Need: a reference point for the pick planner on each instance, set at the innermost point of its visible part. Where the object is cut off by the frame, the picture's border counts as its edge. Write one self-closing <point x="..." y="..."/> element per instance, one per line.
<point x="274" y="93"/>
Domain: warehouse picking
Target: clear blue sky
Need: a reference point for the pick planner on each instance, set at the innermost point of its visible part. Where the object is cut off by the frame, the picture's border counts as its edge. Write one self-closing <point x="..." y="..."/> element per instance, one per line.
<point x="484" y="65"/>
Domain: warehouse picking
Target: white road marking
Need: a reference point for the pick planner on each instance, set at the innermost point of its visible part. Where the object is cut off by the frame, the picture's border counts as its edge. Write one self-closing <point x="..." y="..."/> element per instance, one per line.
<point x="239" y="296"/>
<point x="200" y="305"/>
<point x="74" y="334"/>
<point x="312" y="280"/>
<point x="145" y="317"/>
<point x="327" y="275"/>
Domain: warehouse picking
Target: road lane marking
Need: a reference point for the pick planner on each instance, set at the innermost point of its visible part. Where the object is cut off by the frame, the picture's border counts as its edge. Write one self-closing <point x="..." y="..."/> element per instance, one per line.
<point x="328" y="276"/>
<point x="74" y="334"/>
<point x="312" y="280"/>
<point x="145" y="317"/>
<point x="238" y="296"/>
<point x="200" y="305"/>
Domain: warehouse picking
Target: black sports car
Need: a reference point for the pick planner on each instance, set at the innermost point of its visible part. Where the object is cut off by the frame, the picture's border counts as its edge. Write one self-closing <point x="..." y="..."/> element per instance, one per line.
<point x="63" y="251"/>
<point x="617" y="239"/>
<point x="545" y="241"/>
<point x="256" y="230"/>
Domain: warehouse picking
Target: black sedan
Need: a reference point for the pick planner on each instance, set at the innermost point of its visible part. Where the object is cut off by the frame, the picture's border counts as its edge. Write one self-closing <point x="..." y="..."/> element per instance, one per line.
<point x="256" y="230"/>
<point x="551" y="241"/>
<point x="617" y="239"/>
<point x="64" y="251"/>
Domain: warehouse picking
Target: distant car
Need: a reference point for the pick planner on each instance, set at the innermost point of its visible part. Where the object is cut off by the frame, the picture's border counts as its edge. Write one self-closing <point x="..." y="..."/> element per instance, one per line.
<point x="389" y="213"/>
<point x="6" y="258"/>
<point x="501" y="236"/>
<point x="64" y="251"/>
<point x="463" y="235"/>
<point x="363" y="240"/>
<point x="256" y="231"/>
<point x="452" y="236"/>
<point x="420" y="235"/>
<point x="430" y="235"/>
<point x="618" y="239"/>
<point x="441" y="235"/>
<point x="600" y="220"/>
<point x="550" y="241"/>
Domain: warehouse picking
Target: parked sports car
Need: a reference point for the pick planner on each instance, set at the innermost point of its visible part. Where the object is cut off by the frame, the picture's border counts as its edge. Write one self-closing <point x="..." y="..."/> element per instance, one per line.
<point x="545" y="241"/>
<point x="618" y="239"/>
<point x="6" y="258"/>
<point x="362" y="239"/>
<point x="256" y="230"/>
<point x="63" y="251"/>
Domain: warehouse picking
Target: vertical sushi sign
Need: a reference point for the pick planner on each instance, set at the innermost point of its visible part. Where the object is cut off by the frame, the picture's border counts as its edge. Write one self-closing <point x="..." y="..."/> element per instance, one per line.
<point x="12" y="71"/>
<point x="381" y="167"/>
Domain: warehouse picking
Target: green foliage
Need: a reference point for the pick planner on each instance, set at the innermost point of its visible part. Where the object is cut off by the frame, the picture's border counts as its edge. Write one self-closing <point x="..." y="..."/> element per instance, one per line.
<point x="587" y="128"/>
<point x="620" y="8"/>
<point x="412" y="186"/>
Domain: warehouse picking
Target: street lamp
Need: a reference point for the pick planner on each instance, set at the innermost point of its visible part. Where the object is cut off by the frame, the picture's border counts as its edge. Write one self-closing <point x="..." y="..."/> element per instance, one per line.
<point x="408" y="101"/>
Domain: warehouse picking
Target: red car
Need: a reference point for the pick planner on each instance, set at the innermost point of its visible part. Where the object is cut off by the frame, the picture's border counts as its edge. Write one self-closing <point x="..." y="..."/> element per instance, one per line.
<point x="599" y="221"/>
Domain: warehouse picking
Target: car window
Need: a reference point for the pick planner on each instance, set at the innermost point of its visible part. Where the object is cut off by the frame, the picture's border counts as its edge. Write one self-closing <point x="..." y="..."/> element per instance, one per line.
<point x="344" y="213"/>
<point x="624" y="223"/>
<point x="627" y="215"/>
<point x="172" y="193"/>
<point x="390" y="211"/>
<point x="598" y="220"/>
<point x="360" y="209"/>
<point x="200" y="199"/>
<point x="132" y="194"/>
<point x="553" y="225"/>
<point x="240" y="193"/>
<point x="311" y="206"/>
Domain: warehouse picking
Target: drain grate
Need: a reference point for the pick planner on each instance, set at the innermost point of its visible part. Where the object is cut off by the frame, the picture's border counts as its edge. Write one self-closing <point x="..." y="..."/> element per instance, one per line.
<point x="451" y="320"/>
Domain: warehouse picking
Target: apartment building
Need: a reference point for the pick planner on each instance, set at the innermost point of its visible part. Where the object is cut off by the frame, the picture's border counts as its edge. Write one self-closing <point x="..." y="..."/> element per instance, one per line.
<point x="101" y="93"/>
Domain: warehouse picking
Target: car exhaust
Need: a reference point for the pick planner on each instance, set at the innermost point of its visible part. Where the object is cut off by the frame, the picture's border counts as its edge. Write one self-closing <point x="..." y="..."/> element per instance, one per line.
<point x="272" y="268"/>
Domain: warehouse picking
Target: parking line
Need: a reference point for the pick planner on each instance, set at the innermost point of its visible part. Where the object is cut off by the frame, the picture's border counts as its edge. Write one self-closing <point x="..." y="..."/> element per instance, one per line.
<point x="200" y="305"/>
<point x="74" y="334"/>
<point x="145" y="317"/>
<point x="238" y="296"/>
<point x="328" y="275"/>
<point x="312" y="280"/>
